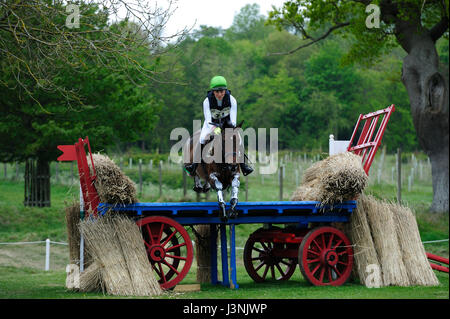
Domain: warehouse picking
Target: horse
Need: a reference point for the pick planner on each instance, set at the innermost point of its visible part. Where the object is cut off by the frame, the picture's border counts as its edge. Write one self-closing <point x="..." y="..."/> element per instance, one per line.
<point x="219" y="170"/>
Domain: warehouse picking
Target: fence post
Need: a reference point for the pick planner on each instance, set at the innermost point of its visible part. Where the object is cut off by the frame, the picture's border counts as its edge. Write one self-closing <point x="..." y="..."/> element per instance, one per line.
<point x="71" y="173"/>
<point x="281" y="170"/>
<point x="47" y="254"/>
<point x="160" y="178"/>
<point x="140" y="176"/>
<point x="57" y="173"/>
<point x="399" y="175"/>
<point x="184" y="182"/>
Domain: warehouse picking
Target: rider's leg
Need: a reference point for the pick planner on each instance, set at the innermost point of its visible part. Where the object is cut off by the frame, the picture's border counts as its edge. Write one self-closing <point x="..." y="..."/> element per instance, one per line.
<point x="198" y="150"/>
<point x="191" y="168"/>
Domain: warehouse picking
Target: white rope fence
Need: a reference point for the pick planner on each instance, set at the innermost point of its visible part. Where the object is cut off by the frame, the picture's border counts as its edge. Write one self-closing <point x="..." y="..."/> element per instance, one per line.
<point x="48" y="242"/>
<point x="47" y="248"/>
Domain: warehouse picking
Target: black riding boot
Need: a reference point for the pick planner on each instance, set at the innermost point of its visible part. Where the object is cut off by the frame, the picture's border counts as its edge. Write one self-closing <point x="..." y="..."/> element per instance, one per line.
<point x="245" y="168"/>
<point x="191" y="168"/>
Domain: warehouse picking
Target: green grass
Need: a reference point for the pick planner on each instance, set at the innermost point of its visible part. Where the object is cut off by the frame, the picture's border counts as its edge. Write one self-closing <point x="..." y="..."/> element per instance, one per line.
<point x="21" y="266"/>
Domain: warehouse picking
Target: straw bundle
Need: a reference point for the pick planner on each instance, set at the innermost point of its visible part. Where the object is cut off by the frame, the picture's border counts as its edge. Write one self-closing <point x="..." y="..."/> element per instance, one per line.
<point x="414" y="256"/>
<point x="112" y="185"/>
<point x="73" y="234"/>
<point x="133" y="249"/>
<point x="384" y="236"/>
<point x="335" y="179"/>
<point x="91" y="279"/>
<point x="307" y="192"/>
<point x="342" y="178"/>
<point x="358" y="231"/>
<point x="113" y="244"/>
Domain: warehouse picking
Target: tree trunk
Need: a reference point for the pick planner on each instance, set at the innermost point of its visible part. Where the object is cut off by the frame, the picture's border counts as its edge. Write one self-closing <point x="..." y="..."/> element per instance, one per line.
<point x="203" y="253"/>
<point x="37" y="183"/>
<point x="428" y="95"/>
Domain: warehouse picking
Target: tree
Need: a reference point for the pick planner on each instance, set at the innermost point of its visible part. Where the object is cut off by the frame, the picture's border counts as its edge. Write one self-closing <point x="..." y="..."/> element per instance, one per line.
<point x="59" y="83"/>
<point x="413" y="25"/>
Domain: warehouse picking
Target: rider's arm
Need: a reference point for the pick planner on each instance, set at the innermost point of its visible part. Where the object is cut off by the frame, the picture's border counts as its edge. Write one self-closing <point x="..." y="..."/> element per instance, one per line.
<point x="233" y="111"/>
<point x="207" y="111"/>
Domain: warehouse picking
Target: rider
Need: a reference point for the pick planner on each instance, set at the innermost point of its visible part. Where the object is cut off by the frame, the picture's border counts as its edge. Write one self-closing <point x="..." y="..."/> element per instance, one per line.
<point x="218" y="104"/>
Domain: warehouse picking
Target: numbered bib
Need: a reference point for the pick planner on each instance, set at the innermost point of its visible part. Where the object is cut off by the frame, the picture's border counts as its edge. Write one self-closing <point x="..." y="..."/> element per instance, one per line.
<point x="218" y="114"/>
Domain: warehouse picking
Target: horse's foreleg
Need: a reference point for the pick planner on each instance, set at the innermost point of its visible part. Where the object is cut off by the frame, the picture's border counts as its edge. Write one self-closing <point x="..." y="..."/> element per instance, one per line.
<point x="234" y="193"/>
<point x="219" y="188"/>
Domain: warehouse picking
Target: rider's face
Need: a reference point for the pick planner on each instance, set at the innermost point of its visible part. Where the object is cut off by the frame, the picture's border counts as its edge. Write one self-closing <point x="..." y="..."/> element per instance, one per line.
<point x="219" y="94"/>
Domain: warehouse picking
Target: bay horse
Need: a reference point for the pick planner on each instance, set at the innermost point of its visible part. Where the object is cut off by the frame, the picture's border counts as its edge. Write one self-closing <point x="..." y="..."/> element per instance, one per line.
<point x="219" y="169"/>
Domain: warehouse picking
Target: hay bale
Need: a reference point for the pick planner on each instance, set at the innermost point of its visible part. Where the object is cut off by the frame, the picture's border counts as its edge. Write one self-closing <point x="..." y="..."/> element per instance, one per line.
<point x="113" y="186"/>
<point x="358" y="231"/>
<point x="116" y="244"/>
<point x="72" y="212"/>
<point x="336" y="179"/>
<point x="414" y="256"/>
<point x="383" y="230"/>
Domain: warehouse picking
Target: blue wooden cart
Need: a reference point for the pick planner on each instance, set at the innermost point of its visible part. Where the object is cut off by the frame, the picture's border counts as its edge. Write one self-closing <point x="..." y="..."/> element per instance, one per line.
<point x="324" y="253"/>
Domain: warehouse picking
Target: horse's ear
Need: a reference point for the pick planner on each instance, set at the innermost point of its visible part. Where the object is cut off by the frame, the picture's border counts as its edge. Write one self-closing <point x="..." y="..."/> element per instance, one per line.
<point x="240" y="124"/>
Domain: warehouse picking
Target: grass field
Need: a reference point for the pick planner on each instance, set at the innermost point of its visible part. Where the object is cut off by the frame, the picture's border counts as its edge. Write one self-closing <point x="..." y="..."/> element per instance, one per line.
<point x="21" y="266"/>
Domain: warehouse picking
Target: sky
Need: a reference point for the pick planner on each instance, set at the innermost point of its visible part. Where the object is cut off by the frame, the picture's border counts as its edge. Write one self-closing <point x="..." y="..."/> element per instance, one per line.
<point x="215" y="13"/>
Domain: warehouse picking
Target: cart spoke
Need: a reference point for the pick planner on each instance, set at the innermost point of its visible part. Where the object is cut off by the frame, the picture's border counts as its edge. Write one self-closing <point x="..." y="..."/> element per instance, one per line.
<point x="259" y="266"/>
<point x="265" y="272"/>
<point x="171" y="267"/>
<point x="318" y="246"/>
<point x="337" y="244"/>
<point x="162" y="275"/>
<point x="280" y="270"/>
<point x="313" y="260"/>
<point x="149" y="233"/>
<point x="287" y="263"/>
<point x="315" y="269"/>
<point x="257" y="258"/>
<point x="264" y="246"/>
<point x="168" y="238"/>
<point x="259" y="250"/>
<point x="176" y="246"/>
<point x="176" y="257"/>
<point x="322" y="272"/>
<point x="158" y="240"/>
<point x="330" y="241"/>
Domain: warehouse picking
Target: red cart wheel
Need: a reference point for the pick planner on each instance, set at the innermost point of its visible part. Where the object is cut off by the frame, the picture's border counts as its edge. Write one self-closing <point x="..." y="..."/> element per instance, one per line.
<point x="169" y="249"/>
<point x="262" y="257"/>
<point x="326" y="257"/>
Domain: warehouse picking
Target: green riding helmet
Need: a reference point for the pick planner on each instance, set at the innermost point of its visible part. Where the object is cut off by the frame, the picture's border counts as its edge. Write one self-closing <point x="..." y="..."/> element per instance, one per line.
<point x="218" y="83"/>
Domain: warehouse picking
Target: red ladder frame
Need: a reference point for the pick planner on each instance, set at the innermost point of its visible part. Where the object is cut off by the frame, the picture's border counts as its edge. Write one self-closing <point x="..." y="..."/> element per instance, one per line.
<point x="366" y="146"/>
<point x="77" y="153"/>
